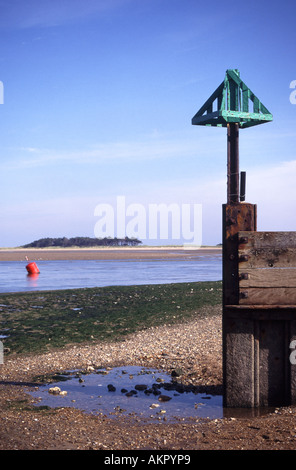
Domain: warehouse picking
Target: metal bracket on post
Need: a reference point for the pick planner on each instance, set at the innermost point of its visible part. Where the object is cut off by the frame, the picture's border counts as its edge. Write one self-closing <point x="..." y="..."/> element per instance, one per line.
<point x="242" y="196"/>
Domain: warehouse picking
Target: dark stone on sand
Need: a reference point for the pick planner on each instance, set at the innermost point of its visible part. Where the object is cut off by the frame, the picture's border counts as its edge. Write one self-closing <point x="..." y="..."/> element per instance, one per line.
<point x="176" y="372"/>
<point x="141" y="387"/>
<point x="131" y="393"/>
<point x="164" y="398"/>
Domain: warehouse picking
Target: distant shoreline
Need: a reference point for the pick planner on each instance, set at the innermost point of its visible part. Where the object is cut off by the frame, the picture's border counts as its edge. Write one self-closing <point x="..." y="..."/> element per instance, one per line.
<point x="101" y="253"/>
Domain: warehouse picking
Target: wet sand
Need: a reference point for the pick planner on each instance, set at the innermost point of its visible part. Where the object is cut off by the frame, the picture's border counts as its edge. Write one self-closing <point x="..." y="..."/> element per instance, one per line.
<point x="114" y="253"/>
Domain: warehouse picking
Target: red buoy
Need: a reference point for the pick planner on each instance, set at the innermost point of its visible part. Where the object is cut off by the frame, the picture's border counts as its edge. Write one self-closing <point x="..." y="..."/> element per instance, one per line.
<point x="32" y="268"/>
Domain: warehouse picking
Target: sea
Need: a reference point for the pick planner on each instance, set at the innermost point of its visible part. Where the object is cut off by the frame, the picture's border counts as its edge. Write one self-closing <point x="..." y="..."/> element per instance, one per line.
<point x="72" y="274"/>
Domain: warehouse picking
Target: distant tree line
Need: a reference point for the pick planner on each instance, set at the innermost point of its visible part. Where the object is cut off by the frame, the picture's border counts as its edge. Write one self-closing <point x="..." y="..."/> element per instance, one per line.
<point x="65" y="242"/>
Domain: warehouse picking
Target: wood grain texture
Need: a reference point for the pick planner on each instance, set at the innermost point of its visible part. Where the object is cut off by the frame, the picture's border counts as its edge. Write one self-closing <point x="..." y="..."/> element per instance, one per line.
<point x="267" y="249"/>
<point x="273" y="277"/>
<point x="268" y="296"/>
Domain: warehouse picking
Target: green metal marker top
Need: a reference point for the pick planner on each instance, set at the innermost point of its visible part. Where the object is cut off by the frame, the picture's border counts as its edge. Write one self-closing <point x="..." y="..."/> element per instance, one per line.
<point x="233" y="101"/>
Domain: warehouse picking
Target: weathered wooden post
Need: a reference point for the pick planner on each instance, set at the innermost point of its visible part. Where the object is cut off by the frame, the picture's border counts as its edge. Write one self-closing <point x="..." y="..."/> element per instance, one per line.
<point x="259" y="271"/>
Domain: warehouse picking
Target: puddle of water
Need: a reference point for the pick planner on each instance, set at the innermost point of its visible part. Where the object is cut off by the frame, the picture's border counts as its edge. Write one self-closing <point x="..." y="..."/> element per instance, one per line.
<point x="130" y="391"/>
<point x="2" y="336"/>
<point x="137" y="391"/>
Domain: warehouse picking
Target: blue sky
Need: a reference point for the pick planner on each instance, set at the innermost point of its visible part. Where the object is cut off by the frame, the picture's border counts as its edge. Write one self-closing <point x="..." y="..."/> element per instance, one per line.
<point x="98" y="102"/>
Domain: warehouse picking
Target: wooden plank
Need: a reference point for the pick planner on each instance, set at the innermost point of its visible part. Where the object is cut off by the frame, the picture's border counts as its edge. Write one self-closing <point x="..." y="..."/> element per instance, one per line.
<point x="256" y="104"/>
<point x="267" y="258"/>
<point x="261" y="312"/>
<point x="245" y="99"/>
<point x="273" y="307"/>
<point x="265" y="296"/>
<point x="208" y="117"/>
<point x="238" y="360"/>
<point x="269" y="239"/>
<point x="240" y="115"/>
<point x="197" y="117"/>
<point x="267" y="249"/>
<point x="273" y="277"/>
<point x="273" y="386"/>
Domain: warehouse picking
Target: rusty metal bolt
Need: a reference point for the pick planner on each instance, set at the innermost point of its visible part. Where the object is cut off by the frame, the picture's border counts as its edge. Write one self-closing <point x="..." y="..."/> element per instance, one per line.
<point x="244" y="295"/>
<point x="230" y="221"/>
<point x="243" y="276"/>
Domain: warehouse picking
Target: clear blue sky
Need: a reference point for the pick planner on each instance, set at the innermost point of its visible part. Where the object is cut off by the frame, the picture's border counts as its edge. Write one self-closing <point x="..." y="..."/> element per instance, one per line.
<point x="98" y="101"/>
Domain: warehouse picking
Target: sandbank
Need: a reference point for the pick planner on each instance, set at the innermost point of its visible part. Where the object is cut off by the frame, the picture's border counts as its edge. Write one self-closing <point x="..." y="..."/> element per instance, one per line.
<point x="104" y="253"/>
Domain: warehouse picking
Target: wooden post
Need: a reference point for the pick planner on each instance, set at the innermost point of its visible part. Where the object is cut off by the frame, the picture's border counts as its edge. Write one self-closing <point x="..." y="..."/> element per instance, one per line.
<point x="237" y="333"/>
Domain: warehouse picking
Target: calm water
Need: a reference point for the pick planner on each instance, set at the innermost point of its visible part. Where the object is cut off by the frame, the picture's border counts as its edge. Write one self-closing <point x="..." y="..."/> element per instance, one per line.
<point x="89" y="273"/>
<point x="91" y="394"/>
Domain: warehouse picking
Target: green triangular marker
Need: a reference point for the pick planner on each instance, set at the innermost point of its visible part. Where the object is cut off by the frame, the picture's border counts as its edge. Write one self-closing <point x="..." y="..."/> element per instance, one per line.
<point x="232" y="102"/>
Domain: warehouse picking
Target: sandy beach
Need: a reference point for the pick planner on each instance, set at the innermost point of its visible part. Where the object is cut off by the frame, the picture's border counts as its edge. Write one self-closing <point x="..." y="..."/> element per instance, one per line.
<point x="103" y="253"/>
